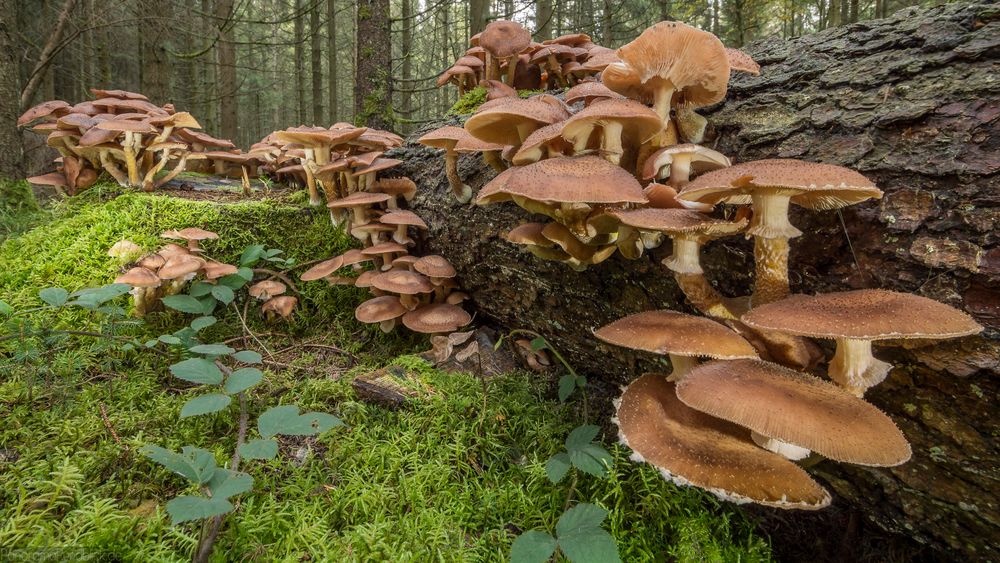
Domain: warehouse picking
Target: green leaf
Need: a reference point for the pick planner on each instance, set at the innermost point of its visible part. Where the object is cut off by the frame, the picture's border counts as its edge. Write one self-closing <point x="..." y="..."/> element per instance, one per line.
<point x="226" y="483"/>
<point x="591" y="459"/>
<point x="202" y="323"/>
<point x="208" y="304"/>
<point x="591" y="546"/>
<point x="223" y="293"/>
<point x="55" y="296"/>
<point x="197" y="370"/>
<point x="286" y="420"/>
<point x="186" y="508"/>
<point x="200" y="289"/>
<point x="184" y="304"/>
<point x="581" y="436"/>
<point x="248" y="357"/>
<point x="259" y="449"/>
<point x="245" y="273"/>
<point x="584" y="517"/>
<point x="241" y="380"/>
<point x="539" y="344"/>
<point x="205" y="404"/>
<point x="94" y="297"/>
<point x="235" y="281"/>
<point x="169" y="339"/>
<point x="251" y="254"/>
<point x="567" y="384"/>
<point x="5" y="309"/>
<point x="194" y="464"/>
<point x="557" y="466"/>
<point x="533" y="546"/>
<point x="212" y="349"/>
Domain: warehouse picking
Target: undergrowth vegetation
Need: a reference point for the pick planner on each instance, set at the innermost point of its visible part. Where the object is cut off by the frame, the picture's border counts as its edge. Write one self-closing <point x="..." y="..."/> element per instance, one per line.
<point x="445" y="478"/>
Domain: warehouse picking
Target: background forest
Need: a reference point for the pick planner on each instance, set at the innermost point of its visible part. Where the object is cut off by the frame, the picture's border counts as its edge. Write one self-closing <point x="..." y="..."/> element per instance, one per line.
<point x="248" y="67"/>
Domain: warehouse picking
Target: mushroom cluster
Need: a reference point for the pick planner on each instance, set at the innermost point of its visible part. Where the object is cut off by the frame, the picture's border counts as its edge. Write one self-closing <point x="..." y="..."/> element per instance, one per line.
<point x="503" y="55"/>
<point x="120" y="132"/>
<point x="171" y="268"/>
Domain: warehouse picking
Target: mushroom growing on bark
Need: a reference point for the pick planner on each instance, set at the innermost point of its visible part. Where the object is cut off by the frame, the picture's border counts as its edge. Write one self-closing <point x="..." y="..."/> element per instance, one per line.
<point x="446" y="138"/>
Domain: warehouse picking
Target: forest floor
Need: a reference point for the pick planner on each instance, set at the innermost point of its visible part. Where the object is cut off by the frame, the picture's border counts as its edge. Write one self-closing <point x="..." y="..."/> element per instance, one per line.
<point x="444" y="478"/>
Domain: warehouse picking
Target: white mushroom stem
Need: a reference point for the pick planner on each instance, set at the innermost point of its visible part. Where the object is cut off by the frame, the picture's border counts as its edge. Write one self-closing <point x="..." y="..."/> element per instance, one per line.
<point x="784" y="449"/>
<point x="661" y="101"/>
<point x="113" y="169"/>
<point x="629" y="243"/>
<point x="611" y="141"/>
<point x="685" y="262"/>
<point x="147" y="180"/>
<point x="681" y="366"/>
<point x="401" y="236"/>
<point x="771" y="231"/>
<point x="178" y="168"/>
<point x="493" y="159"/>
<point x="680" y="170"/>
<point x="387" y="325"/>
<point x="511" y="69"/>
<point x="854" y="368"/>
<point x="307" y="164"/>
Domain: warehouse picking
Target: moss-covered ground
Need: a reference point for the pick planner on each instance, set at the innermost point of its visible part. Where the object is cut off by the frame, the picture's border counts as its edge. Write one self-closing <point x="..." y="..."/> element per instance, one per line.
<point x="443" y="479"/>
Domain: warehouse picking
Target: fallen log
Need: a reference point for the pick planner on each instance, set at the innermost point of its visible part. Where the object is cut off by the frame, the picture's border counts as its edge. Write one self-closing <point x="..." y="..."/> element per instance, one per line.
<point x="912" y="102"/>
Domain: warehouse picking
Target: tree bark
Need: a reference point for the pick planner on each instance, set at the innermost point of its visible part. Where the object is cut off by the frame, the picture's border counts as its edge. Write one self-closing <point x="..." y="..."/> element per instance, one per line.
<point x="331" y="48"/>
<point x="479" y="15"/>
<point x="300" y="64"/>
<point x="228" y="124"/>
<point x="316" y="61"/>
<point x="911" y="103"/>
<point x="45" y="58"/>
<point x="543" y="19"/>
<point x="373" y="60"/>
<point x="10" y="93"/>
<point x="406" y="52"/>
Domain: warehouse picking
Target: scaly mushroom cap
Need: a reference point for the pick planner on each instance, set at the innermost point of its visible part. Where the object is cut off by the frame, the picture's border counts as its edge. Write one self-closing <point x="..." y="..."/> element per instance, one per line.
<point x="282" y="305"/>
<point x="703" y="159"/>
<point x="534" y="147"/>
<point x="139" y="277"/>
<point x="358" y="199"/>
<point x="638" y="121"/>
<point x="502" y="120"/>
<point x="693" y="448"/>
<point x="444" y="137"/>
<point x="581" y="179"/>
<point x="503" y="38"/>
<point x="670" y="332"/>
<point x="625" y="80"/>
<point x="677" y="221"/>
<point x="44" y="109"/>
<point x="384" y="308"/>
<point x="126" y="126"/>
<point x="403" y="217"/>
<point x="815" y="185"/>
<point x="437" y="318"/>
<point x="470" y="144"/>
<point x="267" y="289"/>
<point x="795" y="408"/>
<point x="739" y="61"/>
<point x="403" y="282"/>
<point x="692" y="60"/>
<point x="864" y="314"/>
<point x="589" y="92"/>
<point x="434" y="266"/>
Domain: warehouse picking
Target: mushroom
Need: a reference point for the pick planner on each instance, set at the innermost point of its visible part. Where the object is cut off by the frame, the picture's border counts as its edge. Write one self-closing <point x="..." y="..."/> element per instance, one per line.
<point x="770" y="185"/>
<point x="681" y="161"/>
<point x="530" y="237"/>
<point x="546" y="142"/>
<point x="131" y="143"/>
<point x="323" y="269"/>
<point x="437" y="318"/>
<point x="739" y="61"/>
<point x="590" y="92"/>
<point x="791" y="413"/>
<point x="854" y="319"/>
<point x="281" y="306"/>
<point x="490" y="151"/>
<point x="503" y="40"/>
<point x="446" y="138"/>
<point x="384" y="252"/>
<point x="684" y="338"/>
<point x="124" y="250"/>
<point x="509" y="121"/>
<point x="692" y="448"/>
<point x="384" y="310"/>
<point x="396" y="188"/>
<point x="619" y="120"/>
<point x="439" y="270"/>
<point x="192" y="235"/>
<point x="214" y="270"/>
<point x="401" y="220"/>
<point x="266" y="289"/>
<point x="405" y="283"/>
<point x="144" y="283"/>
<point x="358" y="203"/>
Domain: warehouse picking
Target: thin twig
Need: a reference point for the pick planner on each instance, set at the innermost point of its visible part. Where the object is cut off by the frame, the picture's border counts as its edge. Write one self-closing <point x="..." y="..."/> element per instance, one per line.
<point x="107" y="424"/>
<point x="246" y="328"/>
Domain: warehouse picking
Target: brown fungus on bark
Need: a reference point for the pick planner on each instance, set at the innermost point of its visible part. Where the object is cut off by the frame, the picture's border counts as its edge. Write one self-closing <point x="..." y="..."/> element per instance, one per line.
<point x="446" y="138"/>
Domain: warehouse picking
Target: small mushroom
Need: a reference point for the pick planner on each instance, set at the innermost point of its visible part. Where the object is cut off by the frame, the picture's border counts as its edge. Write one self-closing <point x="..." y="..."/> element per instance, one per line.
<point x="446" y="138"/>
<point x="385" y="310"/>
<point x="281" y="306"/>
<point x="266" y="289"/>
<point x="437" y="318"/>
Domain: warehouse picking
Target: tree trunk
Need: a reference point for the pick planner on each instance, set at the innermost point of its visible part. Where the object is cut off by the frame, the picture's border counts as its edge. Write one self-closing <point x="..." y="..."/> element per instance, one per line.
<point x="300" y="64"/>
<point x="10" y="92"/>
<point x="154" y="72"/>
<point x="331" y="48"/>
<point x="543" y="20"/>
<point x="373" y="60"/>
<point x="43" y="65"/>
<point x="910" y="102"/>
<point x="317" y="66"/>
<point x="406" y="52"/>
<point x="227" y="70"/>
<point x="479" y="14"/>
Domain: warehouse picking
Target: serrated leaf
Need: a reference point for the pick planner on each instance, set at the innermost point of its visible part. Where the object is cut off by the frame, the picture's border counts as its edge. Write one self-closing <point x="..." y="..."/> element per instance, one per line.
<point x="251" y="254"/>
<point x="194" y="464"/>
<point x="234" y="281"/>
<point x="202" y="323"/>
<point x="582" y="517"/>
<point x="539" y="344"/>
<point x="92" y="297"/>
<point x="567" y="384"/>
<point x="184" y="304"/>
<point x="200" y="289"/>
<point x="557" y="466"/>
<point x="212" y="349"/>
<point x="226" y="483"/>
<point x="581" y="436"/>
<point x="186" y="508"/>
<point x="197" y="370"/>
<point x="223" y="293"/>
<point x="585" y="461"/>
<point x="286" y="420"/>
<point x="591" y="546"/>
<point x="205" y="404"/>
<point x="259" y="449"/>
<point x="248" y="357"/>
<point x="533" y="546"/>
<point x="245" y="273"/>
<point x="208" y="304"/>
<point x="241" y="380"/>
<point x="55" y="296"/>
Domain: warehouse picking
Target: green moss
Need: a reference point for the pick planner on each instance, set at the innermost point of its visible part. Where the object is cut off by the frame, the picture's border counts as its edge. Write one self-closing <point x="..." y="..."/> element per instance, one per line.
<point x="19" y="210"/>
<point x="474" y="98"/>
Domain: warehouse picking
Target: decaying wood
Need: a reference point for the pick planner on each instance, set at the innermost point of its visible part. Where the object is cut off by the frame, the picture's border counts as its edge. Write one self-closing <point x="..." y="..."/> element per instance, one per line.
<point x="912" y="102"/>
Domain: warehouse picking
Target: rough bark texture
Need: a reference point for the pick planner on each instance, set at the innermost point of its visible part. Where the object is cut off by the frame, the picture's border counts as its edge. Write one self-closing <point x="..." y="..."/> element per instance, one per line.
<point x="912" y="102"/>
<point x="10" y="93"/>
<point x="373" y="61"/>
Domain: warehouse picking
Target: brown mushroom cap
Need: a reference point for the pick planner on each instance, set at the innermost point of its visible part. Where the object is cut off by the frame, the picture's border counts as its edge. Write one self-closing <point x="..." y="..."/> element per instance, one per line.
<point x="739" y="61"/>
<point x="216" y="270"/>
<point x="693" y="448"/>
<point x="358" y="199"/>
<point x="383" y="248"/>
<point x="126" y="126"/>
<point x="403" y="282"/>
<point x="503" y="38"/>
<point x="179" y="265"/>
<point x="190" y="233"/>
<point x="403" y="217"/>
<point x="502" y="120"/>
<point x="864" y="314"/>
<point x="396" y="186"/>
<point x="670" y="332"/>
<point x="379" y="309"/>
<point x="282" y="305"/>
<point x="323" y="269"/>
<point x="703" y="159"/>
<point x="625" y="80"/>
<point x="267" y="289"/>
<point x="434" y="266"/>
<point x="587" y="179"/>
<point x="44" y="109"/>
<point x="436" y="318"/>
<point x="796" y="408"/>
<point x="534" y="146"/>
<point x="444" y="137"/>
<point x="638" y="121"/>
<point x="676" y="221"/>
<point x="139" y="277"/>
<point x="589" y="91"/>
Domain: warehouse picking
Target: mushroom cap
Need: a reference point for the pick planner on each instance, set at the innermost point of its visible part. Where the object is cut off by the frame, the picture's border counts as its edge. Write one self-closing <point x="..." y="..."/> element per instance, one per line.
<point x="796" y="408"/>
<point x="670" y="332"/>
<point x="365" y="279"/>
<point x="639" y="122"/>
<point x="44" y="109"/>
<point x="283" y="305"/>
<point x="403" y="217"/>
<point x="215" y="270"/>
<point x="740" y="61"/>
<point x="814" y="185"/>
<point x="662" y="196"/>
<point x="436" y="318"/>
<point x="355" y="256"/>
<point x="678" y="221"/>
<point x="580" y="179"/>
<point x="377" y="166"/>
<point x="124" y="248"/>
<point x="529" y="233"/>
<point x="405" y="261"/>
<point x="493" y="191"/>
<point x="358" y="199"/>
<point x="139" y="277"/>
<point x="693" y="448"/>
<point x="267" y="289"/>
<point x="379" y="309"/>
<point x="497" y="121"/>
<point x="435" y="266"/>
<point x="703" y="159"/>
<point x="190" y="233"/>
<point x="444" y="137"/>
<point x="470" y="144"/>
<point x="204" y="139"/>
<point x="152" y="261"/>
<point x="403" y="282"/>
<point x="383" y="248"/>
<point x="126" y="126"/>
<point x="50" y="179"/>
<point x="589" y="91"/>
<point x="623" y="79"/>
<point x="120" y="94"/>
<point x="504" y="38"/>
<point x="323" y="269"/>
<point x="179" y="265"/>
<point x="396" y="186"/>
<point x="532" y="149"/>
<point x="692" y="60"/>
<point x="863" y="314"/>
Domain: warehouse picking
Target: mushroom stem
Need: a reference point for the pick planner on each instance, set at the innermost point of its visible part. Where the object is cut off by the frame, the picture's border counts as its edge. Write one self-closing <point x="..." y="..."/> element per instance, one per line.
<point x="511" y="69"/>
<point x="147" y="180"/>
<point x="130" y="162"/>
<point x="854" y="368"/>
<point x="629" y="243"/>
<point x="314" y="199"/>
<point x="784" y="449"/>
<point x="681" y="366"/>
<point x="178" y="168"/>
<point x="523" y="130"/>
<point x="703" y="296"/>
<point x="611" y="141"/>
<point x="493" y="159"/>
<point x="463" y="193"/>
<point x="686" y="255"/>
<point x="113" y="169"/>
<point x="661" y="101"/>
<point x="771" y="270"/>
<point x="680" y="170"/>
<point x="556" y="69"/>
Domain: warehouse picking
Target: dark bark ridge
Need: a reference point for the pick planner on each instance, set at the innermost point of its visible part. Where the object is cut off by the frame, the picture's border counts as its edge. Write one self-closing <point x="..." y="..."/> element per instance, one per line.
<point x="913" y="103"/>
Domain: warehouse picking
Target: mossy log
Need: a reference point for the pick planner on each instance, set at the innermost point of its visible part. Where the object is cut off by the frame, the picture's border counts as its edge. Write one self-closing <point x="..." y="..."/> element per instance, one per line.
<point x="913" y="102"/>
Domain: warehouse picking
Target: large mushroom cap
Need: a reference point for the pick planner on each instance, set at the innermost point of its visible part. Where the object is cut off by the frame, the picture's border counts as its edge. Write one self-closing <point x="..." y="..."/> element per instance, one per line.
<point x="638" y="121"/>
<point x="379" y="309"/>
<point x="589" y="179"/>
<point x="693" y="448"/>
<point x="359" y="199"/>
<point x="796" y="408"/>
<point x="323" y="269"/>
<point x="444" y="137"/>
<point x="508" y="121"/>
<point x="179" y="265"/>
<point x="864" y="314"/>
<point x="139" y="277"/>
<point x="434" y="266"/>
<point x="504" y="38"/>
<point x="670" y="332"/>
<point x="813" y="185"/>
<point x="267" y="289"/>
<point x="437" y="318"/>
<point x="403" y="282"/>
